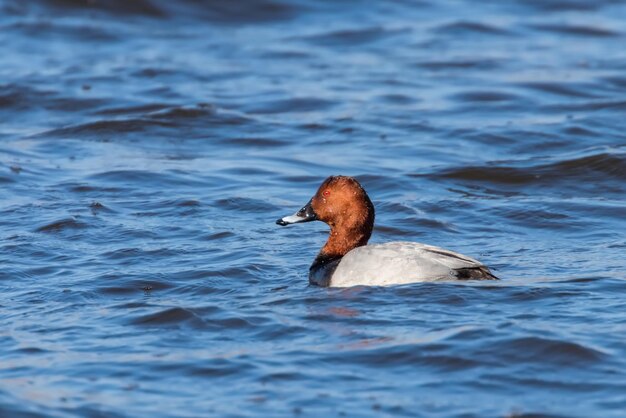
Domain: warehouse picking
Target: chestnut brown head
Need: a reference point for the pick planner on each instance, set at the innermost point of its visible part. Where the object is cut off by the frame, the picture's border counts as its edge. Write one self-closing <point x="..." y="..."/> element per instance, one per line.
<point x="340" y="202"/>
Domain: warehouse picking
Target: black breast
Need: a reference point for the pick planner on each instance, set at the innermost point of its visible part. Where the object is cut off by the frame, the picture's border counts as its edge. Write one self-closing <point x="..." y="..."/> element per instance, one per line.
<point x="322" y="270"/>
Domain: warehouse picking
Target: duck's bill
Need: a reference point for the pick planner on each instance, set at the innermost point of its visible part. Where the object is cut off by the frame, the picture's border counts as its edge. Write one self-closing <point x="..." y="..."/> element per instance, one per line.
<point x="306" y="214"/>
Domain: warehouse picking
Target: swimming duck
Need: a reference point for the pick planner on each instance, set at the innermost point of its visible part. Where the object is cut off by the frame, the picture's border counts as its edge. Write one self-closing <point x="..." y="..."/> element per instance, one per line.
<point x="346" y="259"/>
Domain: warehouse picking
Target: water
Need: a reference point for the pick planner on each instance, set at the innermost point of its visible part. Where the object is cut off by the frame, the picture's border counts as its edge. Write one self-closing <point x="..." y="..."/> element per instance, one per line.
<point x="147" y="147"/>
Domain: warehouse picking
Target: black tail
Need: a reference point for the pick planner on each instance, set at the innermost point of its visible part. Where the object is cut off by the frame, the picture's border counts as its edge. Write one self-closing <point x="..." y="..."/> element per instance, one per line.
<point x="475" y="273"/>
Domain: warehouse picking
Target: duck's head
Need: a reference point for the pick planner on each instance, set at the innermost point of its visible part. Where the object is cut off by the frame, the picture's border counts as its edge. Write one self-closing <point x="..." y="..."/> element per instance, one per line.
<point x="341" y="203"/>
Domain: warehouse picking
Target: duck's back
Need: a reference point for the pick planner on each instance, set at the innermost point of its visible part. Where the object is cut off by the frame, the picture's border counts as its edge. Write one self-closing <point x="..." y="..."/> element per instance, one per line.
<point x="405" y="262"/>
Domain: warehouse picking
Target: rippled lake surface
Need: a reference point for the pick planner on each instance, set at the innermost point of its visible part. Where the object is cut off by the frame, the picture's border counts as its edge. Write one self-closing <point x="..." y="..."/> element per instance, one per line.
<point x="147" y="147"/>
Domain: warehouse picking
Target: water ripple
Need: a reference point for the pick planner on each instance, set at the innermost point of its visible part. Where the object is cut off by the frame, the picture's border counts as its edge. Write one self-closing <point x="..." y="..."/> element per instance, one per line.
<point x="147" y="147"/>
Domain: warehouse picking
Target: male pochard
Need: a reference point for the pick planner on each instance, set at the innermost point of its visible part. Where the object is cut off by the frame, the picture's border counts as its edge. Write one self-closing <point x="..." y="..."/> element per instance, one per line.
<point x="346" y="259"/>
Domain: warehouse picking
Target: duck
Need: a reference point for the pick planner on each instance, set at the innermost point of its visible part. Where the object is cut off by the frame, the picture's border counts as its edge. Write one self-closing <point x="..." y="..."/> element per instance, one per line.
<point x="347" y="260"/>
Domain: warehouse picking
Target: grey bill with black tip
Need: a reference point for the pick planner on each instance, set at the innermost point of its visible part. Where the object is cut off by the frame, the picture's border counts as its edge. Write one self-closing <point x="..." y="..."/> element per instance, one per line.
<point x="306" y="214"/>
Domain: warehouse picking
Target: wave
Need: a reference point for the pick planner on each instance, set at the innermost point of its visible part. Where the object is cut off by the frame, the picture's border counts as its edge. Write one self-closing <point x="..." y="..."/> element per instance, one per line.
<point x="62" y="225"/>
<point x="352" y="37"/>
<point x="164" y="120"/>
<point x="589" y="168"/>
<point x="241" y="11"/>
<point x="577" y="30"/>
<point x="468" y="27"/>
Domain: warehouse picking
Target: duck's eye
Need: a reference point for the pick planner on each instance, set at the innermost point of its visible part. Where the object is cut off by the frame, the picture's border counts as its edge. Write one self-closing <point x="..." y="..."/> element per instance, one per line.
<point x="326" y="193"/>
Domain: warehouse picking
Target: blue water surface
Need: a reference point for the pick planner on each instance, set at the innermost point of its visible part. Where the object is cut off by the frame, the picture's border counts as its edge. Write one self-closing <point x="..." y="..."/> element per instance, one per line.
<point x="147" y="147"/>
